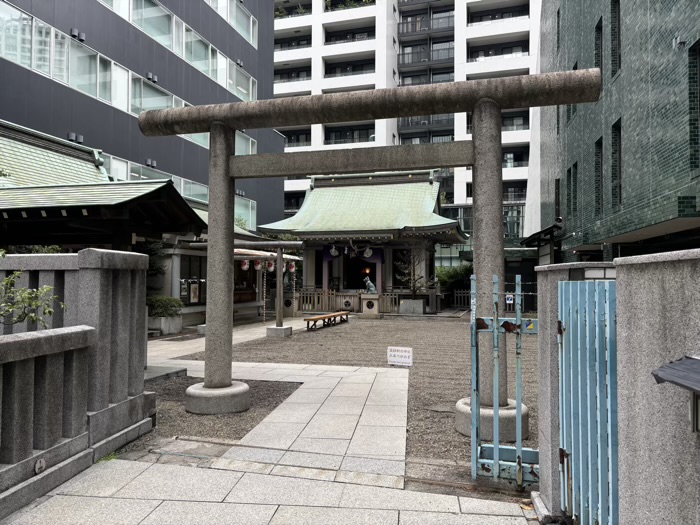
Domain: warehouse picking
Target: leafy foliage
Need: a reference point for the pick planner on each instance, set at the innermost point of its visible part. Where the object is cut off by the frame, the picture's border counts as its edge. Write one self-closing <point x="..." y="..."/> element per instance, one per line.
<point x="411" y="265"/>
<point x="156" y="256"/>
<point x="241" y="222"/>
<point x="33" y="249"/>
<point x="453" y="278"/>
<point x="25" y="304"/>
<point x="163" y="306"/>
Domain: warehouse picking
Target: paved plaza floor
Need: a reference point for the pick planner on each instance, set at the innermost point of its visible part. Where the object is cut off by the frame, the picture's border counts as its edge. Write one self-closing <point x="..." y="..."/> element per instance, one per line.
<point x="332" y="452"/>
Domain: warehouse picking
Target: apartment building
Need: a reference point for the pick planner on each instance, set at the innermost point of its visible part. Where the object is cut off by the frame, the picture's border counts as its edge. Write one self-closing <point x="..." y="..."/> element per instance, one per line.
<point x="83" y="70"/>
<point x="623" y="173"/>
<point x="326" y="46"/>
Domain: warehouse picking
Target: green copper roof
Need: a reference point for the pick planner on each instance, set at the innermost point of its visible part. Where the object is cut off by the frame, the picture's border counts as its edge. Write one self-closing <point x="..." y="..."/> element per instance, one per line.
<point x="34" y="161"/>
<point x="74" y="195"/>
<point x="374" y="208"/>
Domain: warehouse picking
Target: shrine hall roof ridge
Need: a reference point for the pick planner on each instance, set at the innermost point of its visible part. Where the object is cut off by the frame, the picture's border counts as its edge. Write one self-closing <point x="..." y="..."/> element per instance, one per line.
<point x="394" y="210"/>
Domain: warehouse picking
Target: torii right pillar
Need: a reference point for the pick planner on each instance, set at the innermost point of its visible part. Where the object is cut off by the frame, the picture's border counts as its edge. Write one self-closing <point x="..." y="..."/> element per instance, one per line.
<point x="489" y="260"/>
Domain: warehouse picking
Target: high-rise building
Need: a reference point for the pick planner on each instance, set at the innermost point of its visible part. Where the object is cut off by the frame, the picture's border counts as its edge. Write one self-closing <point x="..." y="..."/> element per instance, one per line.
<point x="348" y="45"/>
<point x="624" y="173"/>
<point x="83" y="70"/>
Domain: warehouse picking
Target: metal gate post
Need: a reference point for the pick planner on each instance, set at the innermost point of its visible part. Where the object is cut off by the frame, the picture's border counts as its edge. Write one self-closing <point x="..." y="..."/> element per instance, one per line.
<point x="518" y="382"/>
<point x="496" y="378"/>
<point x="475" y="401"/>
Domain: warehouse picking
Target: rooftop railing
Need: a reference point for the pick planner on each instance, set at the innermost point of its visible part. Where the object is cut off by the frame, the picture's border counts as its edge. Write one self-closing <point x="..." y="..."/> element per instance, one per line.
<point x="427" y="24"/>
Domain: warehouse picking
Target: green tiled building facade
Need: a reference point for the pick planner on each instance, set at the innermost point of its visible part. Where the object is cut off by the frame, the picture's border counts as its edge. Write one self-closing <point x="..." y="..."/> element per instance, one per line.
<point x="624" y="173"/>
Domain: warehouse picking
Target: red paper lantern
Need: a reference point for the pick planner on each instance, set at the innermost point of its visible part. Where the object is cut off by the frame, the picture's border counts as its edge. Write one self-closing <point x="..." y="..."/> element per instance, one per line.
<point x="245" y="264"/>
<point x="257" y="265"/>
<point x="292" y="267"/>
<point x="270" y="266"/>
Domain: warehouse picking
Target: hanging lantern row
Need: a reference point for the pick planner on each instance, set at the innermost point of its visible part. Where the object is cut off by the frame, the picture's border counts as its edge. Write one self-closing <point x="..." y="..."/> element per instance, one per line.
<point x="270" y="265"/>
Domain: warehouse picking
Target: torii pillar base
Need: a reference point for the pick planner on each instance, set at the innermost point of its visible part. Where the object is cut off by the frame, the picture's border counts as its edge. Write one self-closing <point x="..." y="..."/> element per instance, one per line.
<point x="506" y="418"/>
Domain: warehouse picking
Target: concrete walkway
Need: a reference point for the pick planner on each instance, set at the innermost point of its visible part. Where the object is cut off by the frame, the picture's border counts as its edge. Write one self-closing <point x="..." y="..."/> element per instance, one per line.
<point x="333" y="452"/>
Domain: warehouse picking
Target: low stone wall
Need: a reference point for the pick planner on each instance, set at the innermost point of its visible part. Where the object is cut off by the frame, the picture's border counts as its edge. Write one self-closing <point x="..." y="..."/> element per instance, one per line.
<point x="75" y="392"/>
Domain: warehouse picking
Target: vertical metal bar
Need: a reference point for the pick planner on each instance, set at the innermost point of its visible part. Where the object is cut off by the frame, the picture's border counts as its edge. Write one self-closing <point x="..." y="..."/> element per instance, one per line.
<point x="475" y="403"/>
<point x="561" y="338"/>
<point x="602" y="403"/>
<point x="583" y="402"/>
<point x="496" y="378"/>
<point x="279" y="308"/>
<point x="611" y="333"/>
<point x="518" y="382"/>
<point x="574" y="423"/>
<point x="591" y="401"/>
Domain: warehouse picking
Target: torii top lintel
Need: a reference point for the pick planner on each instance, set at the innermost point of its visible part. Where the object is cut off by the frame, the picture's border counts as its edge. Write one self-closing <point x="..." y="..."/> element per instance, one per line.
<point x="524" y="91"/>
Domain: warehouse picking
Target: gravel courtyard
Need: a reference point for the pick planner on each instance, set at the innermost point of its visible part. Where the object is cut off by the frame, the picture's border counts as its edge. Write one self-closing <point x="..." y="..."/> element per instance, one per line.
<point x="439" y="377"/>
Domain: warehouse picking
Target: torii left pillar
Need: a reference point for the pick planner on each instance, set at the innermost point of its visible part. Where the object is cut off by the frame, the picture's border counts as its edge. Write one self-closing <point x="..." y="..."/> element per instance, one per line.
<point x="219" y="394"/>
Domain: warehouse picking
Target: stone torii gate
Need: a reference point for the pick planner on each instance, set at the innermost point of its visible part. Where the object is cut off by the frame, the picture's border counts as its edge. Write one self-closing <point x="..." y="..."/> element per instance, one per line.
<point x="484" y="98"/>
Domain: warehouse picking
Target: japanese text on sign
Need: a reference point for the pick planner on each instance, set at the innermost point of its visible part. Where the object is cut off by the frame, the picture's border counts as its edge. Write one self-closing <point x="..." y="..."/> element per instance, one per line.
<point x="399" y="355"/>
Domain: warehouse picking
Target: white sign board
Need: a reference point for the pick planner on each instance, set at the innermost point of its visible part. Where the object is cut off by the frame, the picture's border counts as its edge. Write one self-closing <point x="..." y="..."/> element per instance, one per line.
<point x="509" y="298"/>
<point x="399" y="355"/>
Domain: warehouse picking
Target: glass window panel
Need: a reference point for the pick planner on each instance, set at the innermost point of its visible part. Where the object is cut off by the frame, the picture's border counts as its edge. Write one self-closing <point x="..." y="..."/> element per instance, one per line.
<point x="154" y="20"/>
<point x="120" y="87"/>
<point x="243" y="22"/>
<point x="154" y="98"/>
<point x="105" y="81"/>
<point x="253" y="89"/>
<point x="221" y="65"/>
<point x="83" y="69"/>
<point x="136" y="95"/>
<point x="178" y="36"/>
<point x="243" y="85"/>
<point x="60" y="56"/>
<point x="121" y="7"/>
<point x="42" y="47"/>
<point x="177" y="182"/>
<point x="15" y="35"/>
<point x="196" y="51"/>
<point x="118" y="169"/>
<point x="242" y="144"/>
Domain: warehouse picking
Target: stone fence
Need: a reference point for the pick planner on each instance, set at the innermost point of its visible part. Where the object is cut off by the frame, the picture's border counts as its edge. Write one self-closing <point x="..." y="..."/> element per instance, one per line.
<point x="74" y="392"/>
<point x="658" y="321"/>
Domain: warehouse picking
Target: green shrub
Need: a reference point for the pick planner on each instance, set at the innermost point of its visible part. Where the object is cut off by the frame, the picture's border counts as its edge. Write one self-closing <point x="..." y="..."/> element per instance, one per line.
<point x="454" y="277"/>
<point x="163" y="306"/>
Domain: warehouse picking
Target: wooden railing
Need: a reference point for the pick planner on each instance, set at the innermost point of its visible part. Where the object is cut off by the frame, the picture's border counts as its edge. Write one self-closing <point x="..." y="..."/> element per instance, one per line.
<point x="461" y="299"/>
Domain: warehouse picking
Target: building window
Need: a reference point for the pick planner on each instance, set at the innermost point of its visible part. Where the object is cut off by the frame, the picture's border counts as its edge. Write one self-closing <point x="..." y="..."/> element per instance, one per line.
<point x="598" y="183"/>
<point x="155" y="21"/>
<point x="598" y="51"/>
<point x="615" y="37"/>
<point x="574" y="191"/>
<point x="568" y="193"/>
<point x="60" y="56"/>
<point x="41" y="48"/>
<point x="470" y="190"/>
<point x="616" y="166"/>
<point x="558" y="29"/>
<point x="694" y="105"/>
<point x="83" y="69"/>
<point x="557" y="198"/>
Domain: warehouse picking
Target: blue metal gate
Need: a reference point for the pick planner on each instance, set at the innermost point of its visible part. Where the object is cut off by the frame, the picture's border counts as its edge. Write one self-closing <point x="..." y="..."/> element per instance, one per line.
<point x="588" y="401"/>
<point x="514" y="464"/>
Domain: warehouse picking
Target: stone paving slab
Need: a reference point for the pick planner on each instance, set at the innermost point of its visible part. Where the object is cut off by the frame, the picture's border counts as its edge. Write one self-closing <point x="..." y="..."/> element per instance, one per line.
<point x="359" y="378"/>
<point x="295" y="372"/>
<point x="363" y="478"/>
<point x="293" y="413"/>
<point x="374" y="466"/>
<point x="273" y="435"/>
<point x="429" y="518"/>
<point x="310" y="395"/>
<point x="197" y="513"/>
<point x="351" y="390"/>
<point x="388" y="397"/>
<point x="331" y="427"/>
<point x="343" y="406"/>
<point x="261" y="455"/>
<point x="103" y="479"/>
<point x="304" y="472"/>
<point x="493" y="508"/>
<point x="241" y="466"/>
<point x="320" y="382"/>
<point x="321" y="446"/>
<point x="79" y="510"/>
<point x="173" y="482"/>
<point x="378" y="441"/>
<point x="258" y="488"/>
<point x="321" y="516"/>
<point x="384" y="416"/>
<point x="305" y="459"/>
<point x="381" y="498"/>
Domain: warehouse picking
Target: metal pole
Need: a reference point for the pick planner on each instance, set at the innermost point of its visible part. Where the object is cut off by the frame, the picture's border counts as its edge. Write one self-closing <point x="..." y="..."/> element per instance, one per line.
<point x="279" y="311"/>
<point x="222" y="197"/>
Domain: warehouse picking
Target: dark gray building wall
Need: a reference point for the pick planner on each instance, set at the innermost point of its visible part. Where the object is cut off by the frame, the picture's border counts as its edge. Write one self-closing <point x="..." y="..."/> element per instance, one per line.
<point x="32" y="100"/>
<point x="650" y="95"/>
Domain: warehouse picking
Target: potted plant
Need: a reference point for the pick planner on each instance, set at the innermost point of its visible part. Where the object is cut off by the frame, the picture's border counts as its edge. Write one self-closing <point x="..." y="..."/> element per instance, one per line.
<point x="164" y="314"/>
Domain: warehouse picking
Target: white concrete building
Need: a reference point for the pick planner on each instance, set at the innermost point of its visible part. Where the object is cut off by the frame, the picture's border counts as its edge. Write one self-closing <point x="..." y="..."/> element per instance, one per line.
<point x="325" y="46"/>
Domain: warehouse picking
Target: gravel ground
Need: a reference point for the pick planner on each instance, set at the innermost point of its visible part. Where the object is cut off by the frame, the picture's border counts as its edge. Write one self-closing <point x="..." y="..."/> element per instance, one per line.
<point x="439" y="377"/>
<point x="174" y="421"/>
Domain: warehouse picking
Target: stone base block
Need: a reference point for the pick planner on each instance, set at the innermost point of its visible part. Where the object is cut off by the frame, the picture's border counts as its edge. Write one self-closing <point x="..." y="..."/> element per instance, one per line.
<point x="279" y="331"/>
<point x="201" y="329"/>
<point x="506" y="417"/>
<point x="543" y="514"/>
<point x="370" y="316"/>
<point x="202" y="400"/>
<point x="117" y="417"/>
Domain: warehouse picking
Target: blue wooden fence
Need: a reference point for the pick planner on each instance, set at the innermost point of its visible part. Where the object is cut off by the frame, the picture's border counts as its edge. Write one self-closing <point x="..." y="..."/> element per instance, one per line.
<point x="588" y="401"/>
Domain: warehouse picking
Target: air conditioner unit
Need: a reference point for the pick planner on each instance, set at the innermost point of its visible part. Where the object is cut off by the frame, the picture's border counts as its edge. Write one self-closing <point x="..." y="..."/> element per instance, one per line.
<point x="423" y="122"/>
<point x="361" y="36"/>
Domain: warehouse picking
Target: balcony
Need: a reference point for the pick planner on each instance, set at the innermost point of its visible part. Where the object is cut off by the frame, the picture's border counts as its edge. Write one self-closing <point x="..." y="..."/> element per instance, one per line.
<point x="298" y="144"/>
<point x="513" y="64"/>
<point x="299" y="10"/>
<point x="351" y="73"/>
<point x="514" y="196"/>
<point x="426" y="58"/>
<point x="346" y="140"/>
<point x="426" y="122"/>
<point x="332" y="5"/>
<point x="427" y="26"/>
<point x="517" y="26"/>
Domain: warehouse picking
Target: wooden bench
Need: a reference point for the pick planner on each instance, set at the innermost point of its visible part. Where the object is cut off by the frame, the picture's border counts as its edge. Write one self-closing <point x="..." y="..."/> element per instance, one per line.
<point x="328" y="320"/>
